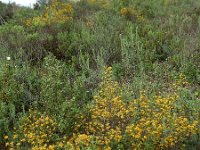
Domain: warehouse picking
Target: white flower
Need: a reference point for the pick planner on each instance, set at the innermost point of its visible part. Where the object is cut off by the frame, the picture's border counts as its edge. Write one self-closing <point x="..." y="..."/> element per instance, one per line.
<point x="8" y="58"/>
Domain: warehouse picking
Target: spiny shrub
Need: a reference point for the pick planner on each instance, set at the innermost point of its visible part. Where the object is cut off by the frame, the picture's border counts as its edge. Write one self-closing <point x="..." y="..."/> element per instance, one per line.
<point x="109" y="115"/>
<point x="56" y="12"/>
<point x="36" y="131"/>
<point x="160" y="122"/>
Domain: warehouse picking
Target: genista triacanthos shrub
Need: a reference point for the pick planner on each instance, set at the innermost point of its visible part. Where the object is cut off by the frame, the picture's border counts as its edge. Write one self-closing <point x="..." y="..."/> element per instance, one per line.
<point x="37" y="131"/>
<point x="160" y="122"/>
<point x="56" y="12"/>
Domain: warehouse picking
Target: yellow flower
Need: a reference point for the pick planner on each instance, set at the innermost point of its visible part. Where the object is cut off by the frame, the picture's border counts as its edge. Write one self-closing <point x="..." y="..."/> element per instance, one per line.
<point x="51" y="147"/>
<point x="15" y="136"/>
<point x="60" y="145"/>
<point x="23" y="140"/>
<point x="124" y="11"/>
<point x="6" y="137"/>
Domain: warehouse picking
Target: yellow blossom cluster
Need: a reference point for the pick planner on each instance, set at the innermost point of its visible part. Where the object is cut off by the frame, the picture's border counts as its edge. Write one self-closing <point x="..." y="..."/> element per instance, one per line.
<point x="160" y="121"/>
<point x="109" y="114"/>
<point x="181" y="82"/>
<point x="132" y="13"/>
<point x="36" y="132"/>
<point x="56" y="12"/>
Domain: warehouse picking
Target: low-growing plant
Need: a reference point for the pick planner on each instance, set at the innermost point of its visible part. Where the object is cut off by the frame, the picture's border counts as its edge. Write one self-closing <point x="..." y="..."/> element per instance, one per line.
<point x="161" y="122"/>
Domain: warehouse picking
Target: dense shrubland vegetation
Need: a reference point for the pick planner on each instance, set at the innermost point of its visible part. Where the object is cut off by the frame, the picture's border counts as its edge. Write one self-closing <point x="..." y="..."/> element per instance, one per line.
<point x="99" y="74"/>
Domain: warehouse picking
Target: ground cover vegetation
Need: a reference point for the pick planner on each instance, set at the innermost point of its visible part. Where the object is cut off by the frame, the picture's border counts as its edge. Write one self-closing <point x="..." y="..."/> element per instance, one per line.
<point x="100" y="74"/>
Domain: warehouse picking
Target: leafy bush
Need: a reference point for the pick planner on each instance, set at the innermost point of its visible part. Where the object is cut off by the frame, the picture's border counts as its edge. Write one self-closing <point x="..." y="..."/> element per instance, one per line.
<point x="159" y="122"/>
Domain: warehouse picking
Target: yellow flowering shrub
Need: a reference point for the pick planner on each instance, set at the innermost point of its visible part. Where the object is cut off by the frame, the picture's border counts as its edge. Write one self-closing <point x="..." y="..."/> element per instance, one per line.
<point x="56" y="12"/>
<point x="161" y="122"/>
<point x="109" y="115"/>
<point x="37" y="132"/>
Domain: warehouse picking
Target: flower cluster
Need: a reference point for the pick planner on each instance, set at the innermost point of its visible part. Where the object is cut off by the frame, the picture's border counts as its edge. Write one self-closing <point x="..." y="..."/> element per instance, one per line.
<point x="37" y="132"/>
<point x="181" y="82"/>
<point x="56" y="12"/>
<point x="109" y="115"/>
<point x="160" y="121"/>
